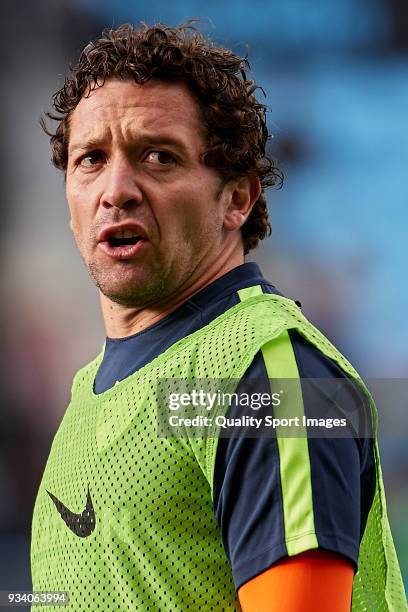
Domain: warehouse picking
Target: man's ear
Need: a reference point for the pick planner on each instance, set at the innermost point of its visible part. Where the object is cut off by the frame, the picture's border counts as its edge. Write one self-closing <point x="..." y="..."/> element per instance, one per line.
<point x="244" y="192"/>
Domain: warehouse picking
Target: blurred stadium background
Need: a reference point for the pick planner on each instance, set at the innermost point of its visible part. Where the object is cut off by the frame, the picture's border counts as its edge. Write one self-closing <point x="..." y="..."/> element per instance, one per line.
<point x="336" y="78"/>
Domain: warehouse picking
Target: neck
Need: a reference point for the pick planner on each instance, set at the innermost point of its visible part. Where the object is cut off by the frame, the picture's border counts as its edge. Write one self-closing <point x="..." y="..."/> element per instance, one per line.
<point x="122" y="321"/>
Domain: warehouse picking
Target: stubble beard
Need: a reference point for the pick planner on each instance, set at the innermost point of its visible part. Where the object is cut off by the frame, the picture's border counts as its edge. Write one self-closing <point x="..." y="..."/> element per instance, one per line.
<point x="158" y="281"/>
<point x="148" y="289"/>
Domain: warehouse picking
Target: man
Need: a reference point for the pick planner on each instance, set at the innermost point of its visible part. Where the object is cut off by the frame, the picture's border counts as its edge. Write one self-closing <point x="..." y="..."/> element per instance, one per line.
<point x="162" y="143"/>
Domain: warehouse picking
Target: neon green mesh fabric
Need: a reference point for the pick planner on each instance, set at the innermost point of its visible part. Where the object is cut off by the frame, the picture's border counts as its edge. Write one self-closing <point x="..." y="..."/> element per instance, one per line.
<point x="153" y="543"/>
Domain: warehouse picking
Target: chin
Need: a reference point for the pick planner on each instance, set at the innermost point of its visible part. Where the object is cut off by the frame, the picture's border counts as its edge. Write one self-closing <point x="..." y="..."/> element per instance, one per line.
<point x="132" y="294"/>
<point x="130" y="285"/>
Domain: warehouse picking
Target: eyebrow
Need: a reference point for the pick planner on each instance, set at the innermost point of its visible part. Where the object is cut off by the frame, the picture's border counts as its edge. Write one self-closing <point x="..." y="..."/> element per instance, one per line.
<point x="95" y="143"/>
<point x="86" y="145"/>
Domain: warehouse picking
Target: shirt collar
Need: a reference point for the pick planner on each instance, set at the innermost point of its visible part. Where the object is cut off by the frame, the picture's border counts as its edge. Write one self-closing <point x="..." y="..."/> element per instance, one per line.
<point x="245" y="275"/>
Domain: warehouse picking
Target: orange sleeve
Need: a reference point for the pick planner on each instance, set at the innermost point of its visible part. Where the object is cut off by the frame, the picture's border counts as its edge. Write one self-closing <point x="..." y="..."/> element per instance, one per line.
<point x="314" y="581"/>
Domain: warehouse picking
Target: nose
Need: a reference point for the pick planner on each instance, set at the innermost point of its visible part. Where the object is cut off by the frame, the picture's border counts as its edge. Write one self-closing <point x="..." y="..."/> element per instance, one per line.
<point x="121" y="187"/>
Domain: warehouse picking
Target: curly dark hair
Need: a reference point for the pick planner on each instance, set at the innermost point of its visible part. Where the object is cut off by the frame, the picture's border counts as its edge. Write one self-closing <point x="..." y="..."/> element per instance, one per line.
<point x="234" y="121"/>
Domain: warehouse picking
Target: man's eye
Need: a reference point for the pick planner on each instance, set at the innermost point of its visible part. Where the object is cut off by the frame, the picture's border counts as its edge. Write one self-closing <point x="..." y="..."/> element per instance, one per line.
<point x="91" y="159"/>
<point x="160" y="157"/>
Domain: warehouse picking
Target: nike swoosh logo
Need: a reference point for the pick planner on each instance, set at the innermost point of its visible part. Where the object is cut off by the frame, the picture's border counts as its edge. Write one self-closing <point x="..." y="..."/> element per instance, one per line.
<point x="81" y="524"/>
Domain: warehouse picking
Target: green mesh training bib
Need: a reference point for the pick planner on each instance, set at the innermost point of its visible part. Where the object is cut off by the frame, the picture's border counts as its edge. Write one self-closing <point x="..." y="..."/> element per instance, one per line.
<point x="124" y="519"/>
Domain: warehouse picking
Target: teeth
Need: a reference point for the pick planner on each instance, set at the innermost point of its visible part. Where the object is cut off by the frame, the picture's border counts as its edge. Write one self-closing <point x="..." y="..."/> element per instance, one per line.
<point x="128" y="233"/>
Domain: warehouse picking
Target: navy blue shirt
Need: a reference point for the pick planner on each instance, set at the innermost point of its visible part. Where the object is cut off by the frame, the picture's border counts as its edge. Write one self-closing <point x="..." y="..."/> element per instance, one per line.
<point x="249" y="509"/>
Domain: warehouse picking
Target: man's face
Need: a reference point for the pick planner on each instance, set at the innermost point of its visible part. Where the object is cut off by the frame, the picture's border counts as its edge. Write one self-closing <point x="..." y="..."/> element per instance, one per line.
<point x="145" y="211"/>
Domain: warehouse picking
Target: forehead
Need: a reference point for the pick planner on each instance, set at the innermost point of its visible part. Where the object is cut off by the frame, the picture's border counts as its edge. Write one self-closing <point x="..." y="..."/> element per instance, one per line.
<point x="156" y="106"/>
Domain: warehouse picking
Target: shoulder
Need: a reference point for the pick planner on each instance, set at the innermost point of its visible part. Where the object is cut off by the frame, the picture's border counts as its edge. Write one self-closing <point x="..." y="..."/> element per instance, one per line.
<point x="278" y="497"/>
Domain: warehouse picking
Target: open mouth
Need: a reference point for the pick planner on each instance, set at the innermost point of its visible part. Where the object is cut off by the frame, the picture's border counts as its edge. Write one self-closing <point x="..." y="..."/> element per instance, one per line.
<point x="123" y="241"/>
<point x="123" y="238"/>
<point x="123" y="244"/>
